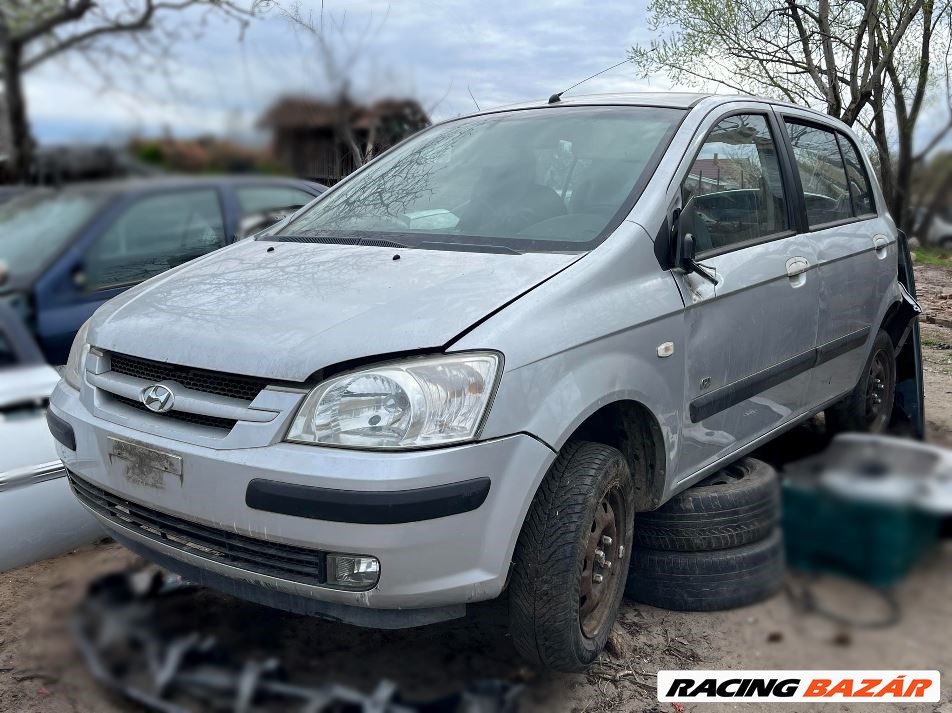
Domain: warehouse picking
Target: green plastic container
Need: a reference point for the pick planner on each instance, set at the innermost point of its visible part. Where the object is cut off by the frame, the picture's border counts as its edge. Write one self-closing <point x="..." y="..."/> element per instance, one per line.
<point x="874" y="542"/>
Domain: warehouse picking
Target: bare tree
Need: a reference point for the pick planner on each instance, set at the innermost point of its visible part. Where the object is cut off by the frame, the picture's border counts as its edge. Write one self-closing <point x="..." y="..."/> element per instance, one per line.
<point x="338" y="52"/>
<point x="33" y="32"/>
<point x="870" y="63"/>
<point x="336" y="61"/>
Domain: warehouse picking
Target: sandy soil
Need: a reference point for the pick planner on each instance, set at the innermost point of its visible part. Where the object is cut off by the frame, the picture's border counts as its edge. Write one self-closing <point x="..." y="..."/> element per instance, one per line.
<point x="934" y="290"/>
<point x="41" y="671"/>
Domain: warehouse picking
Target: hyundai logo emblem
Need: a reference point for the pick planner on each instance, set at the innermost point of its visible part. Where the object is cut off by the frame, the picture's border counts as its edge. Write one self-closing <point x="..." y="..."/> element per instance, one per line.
<point x="158" y="398"/>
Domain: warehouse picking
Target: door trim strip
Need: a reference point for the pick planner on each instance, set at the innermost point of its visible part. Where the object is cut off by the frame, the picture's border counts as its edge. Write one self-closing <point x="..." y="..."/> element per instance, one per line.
<point x="738" y="391"/>
<point x="839" y="347"/>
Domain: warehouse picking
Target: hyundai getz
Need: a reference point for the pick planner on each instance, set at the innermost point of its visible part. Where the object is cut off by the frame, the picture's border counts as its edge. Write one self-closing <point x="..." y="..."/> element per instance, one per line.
<point x="465" y="369"/>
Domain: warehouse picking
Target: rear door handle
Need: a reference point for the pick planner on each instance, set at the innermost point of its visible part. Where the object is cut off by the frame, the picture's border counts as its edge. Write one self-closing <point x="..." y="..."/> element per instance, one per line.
<point x="796" y="266"/>
<point x="880" y="242"/>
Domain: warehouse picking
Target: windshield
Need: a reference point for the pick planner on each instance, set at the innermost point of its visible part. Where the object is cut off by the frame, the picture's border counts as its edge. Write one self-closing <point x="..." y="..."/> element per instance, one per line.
<point x="544" y="180"/>
<point x="36" y="225"/>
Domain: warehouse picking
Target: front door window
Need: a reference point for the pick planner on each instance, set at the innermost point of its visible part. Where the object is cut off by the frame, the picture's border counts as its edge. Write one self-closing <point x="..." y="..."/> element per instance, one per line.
<point x="735" y="186"/>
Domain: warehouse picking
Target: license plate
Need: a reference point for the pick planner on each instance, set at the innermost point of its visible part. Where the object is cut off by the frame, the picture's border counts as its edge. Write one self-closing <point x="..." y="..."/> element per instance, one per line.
<point x="144" y="466"/>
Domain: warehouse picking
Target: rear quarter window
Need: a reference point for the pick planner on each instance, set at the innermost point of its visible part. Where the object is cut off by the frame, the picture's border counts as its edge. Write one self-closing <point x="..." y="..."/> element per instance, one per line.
<point x="859" y="182"/>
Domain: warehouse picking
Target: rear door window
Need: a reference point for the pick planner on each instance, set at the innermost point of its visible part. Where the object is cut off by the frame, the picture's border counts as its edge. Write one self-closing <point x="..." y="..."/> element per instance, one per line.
<point x="822" y="174"/>
<point x="154" y="234"/>
<point x="735" y="185"/>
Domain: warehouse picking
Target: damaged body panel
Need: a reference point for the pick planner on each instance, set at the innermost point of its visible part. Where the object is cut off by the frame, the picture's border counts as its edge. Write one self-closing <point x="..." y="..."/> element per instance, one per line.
<point x="903" y="327"/>
<point x="274" y="298"/>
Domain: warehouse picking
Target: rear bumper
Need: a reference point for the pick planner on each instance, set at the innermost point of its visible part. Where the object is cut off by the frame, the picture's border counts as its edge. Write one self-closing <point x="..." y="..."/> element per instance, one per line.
<point x="443" y="523"/>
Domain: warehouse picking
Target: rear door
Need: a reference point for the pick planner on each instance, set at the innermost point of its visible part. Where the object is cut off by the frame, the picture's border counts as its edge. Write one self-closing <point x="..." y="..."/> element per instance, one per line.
<point x="856" y="258"/>
<point x="750" y="338"/>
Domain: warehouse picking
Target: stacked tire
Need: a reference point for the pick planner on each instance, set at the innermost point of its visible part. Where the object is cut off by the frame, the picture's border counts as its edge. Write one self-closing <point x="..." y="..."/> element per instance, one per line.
<point x="717" y="545"/>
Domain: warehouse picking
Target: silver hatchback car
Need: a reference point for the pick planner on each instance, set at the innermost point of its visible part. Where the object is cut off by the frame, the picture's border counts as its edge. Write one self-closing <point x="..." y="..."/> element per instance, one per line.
<point x="470" y="364"/>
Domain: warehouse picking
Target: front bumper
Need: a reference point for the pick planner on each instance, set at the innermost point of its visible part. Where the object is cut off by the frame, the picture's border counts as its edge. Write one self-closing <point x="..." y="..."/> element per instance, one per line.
<point x="446" y="561"/>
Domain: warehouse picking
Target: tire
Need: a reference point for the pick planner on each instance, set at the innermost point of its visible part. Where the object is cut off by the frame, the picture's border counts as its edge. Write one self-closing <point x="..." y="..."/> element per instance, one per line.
<point x="707" y="581"/>
<point x="738" y="505"/>
<point x="554" y="558"/>
<point x="860" y="411"/>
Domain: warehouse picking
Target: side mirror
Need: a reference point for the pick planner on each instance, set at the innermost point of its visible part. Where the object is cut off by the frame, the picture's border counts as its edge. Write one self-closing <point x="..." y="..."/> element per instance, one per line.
<point x="685" y="248"/>
<point x="684" y="220"/>
<point x="686" y="252"/>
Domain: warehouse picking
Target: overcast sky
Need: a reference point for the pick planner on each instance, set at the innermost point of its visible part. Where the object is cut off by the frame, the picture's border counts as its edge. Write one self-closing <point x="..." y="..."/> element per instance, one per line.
<point x="436" y="51"/>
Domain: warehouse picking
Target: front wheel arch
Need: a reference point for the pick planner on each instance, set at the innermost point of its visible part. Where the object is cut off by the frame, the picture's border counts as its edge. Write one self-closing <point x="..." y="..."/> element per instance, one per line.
<point x="632" y="428"/>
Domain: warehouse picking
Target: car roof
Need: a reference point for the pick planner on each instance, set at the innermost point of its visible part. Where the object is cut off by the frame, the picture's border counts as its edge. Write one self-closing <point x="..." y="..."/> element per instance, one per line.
<point x="673" y="100"/>
<point x="670" y="100"/>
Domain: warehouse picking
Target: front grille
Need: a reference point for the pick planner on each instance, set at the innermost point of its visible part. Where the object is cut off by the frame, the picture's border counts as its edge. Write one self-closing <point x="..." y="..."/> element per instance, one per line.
<point x="236" y="386"/>
<point x="298" y="564"/>
<point x="196" y="418"/>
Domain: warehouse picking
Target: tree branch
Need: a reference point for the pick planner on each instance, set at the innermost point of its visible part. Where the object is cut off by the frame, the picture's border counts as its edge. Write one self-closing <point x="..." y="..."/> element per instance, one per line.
<point x="69" y="13"/>
<point x="116" y="25"/>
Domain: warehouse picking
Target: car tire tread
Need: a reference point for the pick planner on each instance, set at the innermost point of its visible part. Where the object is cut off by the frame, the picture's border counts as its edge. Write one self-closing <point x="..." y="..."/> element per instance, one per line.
<point x="713" y="517"/>
<point x="543" y="589"/>
<point x="708" y="581"/>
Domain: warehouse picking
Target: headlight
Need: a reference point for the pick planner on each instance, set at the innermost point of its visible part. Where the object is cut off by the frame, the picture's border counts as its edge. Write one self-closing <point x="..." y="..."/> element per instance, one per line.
<point x="420" y="402"/>
<point x="76" y="363"/>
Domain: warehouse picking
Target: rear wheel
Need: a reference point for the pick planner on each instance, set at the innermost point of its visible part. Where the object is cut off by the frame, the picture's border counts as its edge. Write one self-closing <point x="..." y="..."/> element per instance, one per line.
<point x="570" y="562"/>
<point x="869" y="407"/>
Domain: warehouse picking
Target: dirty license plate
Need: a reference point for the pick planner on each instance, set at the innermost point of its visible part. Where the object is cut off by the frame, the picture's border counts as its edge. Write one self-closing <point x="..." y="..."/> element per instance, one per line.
<point x="144" y="466"/>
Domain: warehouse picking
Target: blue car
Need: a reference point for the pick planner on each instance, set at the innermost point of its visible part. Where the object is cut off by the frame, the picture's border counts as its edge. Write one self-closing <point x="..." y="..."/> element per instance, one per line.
<point x="65" y="252"/>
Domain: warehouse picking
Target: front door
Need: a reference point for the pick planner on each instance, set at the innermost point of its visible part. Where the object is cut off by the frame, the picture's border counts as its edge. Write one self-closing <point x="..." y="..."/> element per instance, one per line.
<point x="751" y="337"/>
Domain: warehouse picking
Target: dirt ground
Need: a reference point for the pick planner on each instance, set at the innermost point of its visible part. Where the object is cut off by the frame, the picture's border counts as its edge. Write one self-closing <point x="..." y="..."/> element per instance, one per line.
<point x="934" y="291"/>
<point x="40" y="669"/>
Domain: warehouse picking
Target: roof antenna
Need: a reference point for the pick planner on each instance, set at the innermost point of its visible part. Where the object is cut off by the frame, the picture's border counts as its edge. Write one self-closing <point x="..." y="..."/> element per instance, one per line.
<point x="556" y="98"/>
<point x="473" y="98"/>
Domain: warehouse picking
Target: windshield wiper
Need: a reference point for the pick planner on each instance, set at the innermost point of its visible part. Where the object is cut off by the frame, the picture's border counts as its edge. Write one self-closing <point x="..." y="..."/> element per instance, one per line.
<point x="469" y="247"/>
<point x="324" y="239"/>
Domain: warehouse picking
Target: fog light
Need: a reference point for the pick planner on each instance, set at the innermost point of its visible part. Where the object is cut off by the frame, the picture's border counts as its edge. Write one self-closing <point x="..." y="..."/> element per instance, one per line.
<point x="352" y="571"/>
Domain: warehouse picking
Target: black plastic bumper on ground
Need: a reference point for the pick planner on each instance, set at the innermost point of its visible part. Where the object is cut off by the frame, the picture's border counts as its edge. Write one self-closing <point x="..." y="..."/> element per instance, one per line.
<point x="61" y="430"/>
<point x="367" y="508"/>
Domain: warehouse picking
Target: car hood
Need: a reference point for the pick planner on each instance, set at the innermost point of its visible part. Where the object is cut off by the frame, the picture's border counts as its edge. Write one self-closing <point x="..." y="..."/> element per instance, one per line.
<point x="286" y="310"/>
